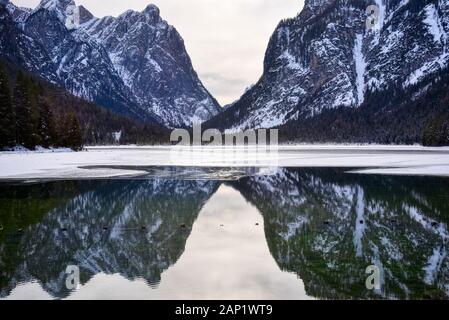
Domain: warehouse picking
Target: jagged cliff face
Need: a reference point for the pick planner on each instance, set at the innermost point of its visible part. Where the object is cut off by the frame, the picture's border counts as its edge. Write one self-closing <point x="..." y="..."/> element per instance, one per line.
<point x="327" y="58"/>
<point x="151" y="58"/>
<point x="135" y="64"/>
<point x="19" y="49"/>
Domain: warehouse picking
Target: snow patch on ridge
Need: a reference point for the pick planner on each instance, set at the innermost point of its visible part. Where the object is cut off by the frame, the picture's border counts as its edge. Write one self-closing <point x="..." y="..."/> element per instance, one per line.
<point x="433" y="23"/>
<point x="432" y="66"/>
<point x="292" y="63"/>
<point x="360" y="67"/>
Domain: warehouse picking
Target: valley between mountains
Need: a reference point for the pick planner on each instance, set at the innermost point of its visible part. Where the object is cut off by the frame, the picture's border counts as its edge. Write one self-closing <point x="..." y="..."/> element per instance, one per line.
<point x="327" y="77"/>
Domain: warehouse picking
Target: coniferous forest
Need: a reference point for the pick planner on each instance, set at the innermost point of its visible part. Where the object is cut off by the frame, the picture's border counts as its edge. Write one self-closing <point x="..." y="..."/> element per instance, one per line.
<point x="35" y="113"/>
<point x="392" y="116"/>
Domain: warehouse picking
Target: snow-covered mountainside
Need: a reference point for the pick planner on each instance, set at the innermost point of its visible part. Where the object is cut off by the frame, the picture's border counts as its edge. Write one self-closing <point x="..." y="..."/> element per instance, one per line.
<point x="327" y="57"/>
<point x="150" y="57"/>
<point x="135" y="64"/>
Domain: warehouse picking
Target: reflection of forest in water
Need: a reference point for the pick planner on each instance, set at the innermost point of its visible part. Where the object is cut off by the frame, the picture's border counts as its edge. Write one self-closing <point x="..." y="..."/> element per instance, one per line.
<point x="322" y="224"/>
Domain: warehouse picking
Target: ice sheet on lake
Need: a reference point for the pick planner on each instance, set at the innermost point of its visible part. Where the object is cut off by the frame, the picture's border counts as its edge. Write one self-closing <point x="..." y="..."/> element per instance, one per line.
<point x="104" y="162"/>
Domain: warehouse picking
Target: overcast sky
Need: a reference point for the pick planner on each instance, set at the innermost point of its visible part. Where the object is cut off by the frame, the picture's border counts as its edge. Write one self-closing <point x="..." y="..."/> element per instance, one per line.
<point x="226" y="39"/>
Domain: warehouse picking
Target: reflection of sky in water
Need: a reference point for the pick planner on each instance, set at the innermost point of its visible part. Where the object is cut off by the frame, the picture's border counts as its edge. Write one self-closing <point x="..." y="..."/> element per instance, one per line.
<point x="220" y="262"/>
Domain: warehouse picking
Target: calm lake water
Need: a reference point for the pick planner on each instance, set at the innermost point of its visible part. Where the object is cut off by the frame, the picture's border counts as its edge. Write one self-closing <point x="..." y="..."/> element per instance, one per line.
<point x="226" y="234"/>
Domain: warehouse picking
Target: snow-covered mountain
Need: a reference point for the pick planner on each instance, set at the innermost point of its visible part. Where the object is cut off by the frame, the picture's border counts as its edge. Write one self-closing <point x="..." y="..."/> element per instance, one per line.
<point x="135" y="64"/>
<point x="327" y="57"/>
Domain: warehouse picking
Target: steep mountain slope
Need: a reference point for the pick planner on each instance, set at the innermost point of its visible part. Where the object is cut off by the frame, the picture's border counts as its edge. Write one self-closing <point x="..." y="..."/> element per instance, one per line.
<point x="135" y="64"/>
<point x="45" y="47"/>
<point x="18" y="49"/>
<point x="151" y="58"/>
<point x="327" y="58"/>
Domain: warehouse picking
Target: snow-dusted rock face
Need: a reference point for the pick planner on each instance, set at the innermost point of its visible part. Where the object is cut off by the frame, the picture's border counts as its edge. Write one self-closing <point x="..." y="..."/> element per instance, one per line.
<point x="150" y="57"/>
<point x="18" y="49"/>
<point x="135" y="64"/>
<point x="326" y="58"/>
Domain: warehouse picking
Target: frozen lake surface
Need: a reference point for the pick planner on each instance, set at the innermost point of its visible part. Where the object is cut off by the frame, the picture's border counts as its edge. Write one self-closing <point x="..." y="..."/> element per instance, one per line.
<point x="108" y="162"/>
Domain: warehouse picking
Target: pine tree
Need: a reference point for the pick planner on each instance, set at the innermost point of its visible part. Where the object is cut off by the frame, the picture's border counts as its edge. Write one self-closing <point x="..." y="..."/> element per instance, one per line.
<point x="46" y="125"/>
<point x="25" y="134"/>
<point x="73" y="135"/>
<point x="7" y="115"/>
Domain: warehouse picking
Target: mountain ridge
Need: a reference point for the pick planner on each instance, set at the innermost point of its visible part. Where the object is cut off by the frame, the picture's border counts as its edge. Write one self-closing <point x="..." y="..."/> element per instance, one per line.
<point x="326" y="59"/>
<point x="157" y="85"/>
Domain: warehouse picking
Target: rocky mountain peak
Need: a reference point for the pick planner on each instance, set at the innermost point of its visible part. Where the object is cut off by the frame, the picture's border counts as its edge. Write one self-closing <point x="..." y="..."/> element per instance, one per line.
<point x="56" y="5"/>
<point x="84" y="15"/>
<point x="314" y="4"/>
<point x="134" y="64"/>
<point x="152" y="10"/>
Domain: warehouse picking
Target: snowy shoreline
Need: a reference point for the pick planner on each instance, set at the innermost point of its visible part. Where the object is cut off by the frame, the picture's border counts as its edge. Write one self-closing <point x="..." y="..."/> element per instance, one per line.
<point x="371" y="159"/>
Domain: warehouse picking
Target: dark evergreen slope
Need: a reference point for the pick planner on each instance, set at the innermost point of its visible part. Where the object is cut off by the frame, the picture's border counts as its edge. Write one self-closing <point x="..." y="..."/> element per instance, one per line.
<point x="100" y="126"/>
<point x="36" y="113"/>
<point x="393" y="116"/>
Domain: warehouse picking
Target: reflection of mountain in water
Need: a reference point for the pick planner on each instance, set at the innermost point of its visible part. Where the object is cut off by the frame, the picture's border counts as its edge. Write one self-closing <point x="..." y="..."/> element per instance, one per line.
<point x="328" y="227"/>
<point x="322" y="224"/>
<point x="134" y="228"/>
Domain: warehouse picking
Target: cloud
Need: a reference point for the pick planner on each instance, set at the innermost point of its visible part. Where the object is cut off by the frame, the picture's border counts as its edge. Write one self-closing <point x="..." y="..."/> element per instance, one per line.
<point x="224" y="38"/>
